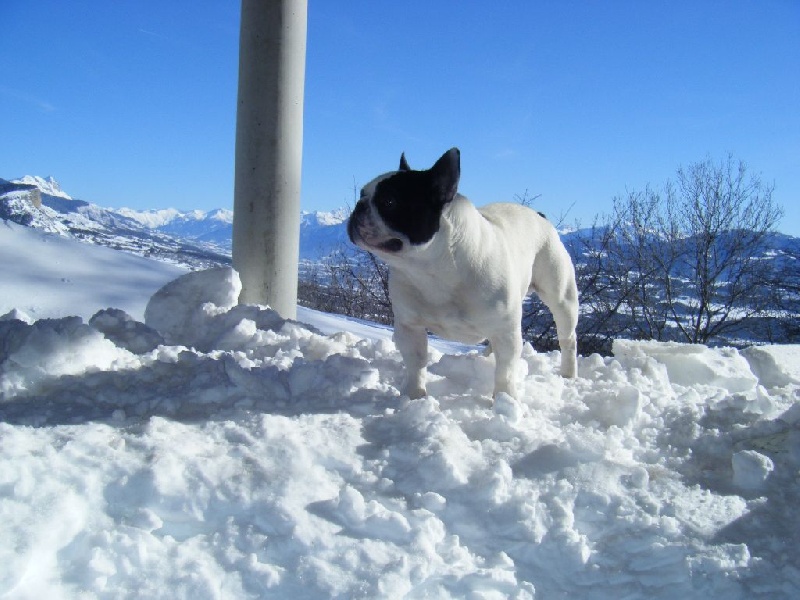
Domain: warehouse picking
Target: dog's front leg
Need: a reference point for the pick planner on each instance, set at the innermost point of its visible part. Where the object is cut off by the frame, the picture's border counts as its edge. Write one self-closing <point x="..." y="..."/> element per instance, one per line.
<point x="413" y="345"/>
<point x="507" y="348"/>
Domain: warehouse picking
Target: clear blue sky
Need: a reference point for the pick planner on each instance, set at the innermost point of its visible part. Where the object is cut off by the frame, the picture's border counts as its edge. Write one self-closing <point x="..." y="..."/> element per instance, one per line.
<point x="132" y="102"/>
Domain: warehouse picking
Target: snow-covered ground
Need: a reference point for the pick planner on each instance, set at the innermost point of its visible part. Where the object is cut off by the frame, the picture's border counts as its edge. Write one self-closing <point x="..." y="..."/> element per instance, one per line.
<point x="47" y="275"/>
<point x="218" y="451"/>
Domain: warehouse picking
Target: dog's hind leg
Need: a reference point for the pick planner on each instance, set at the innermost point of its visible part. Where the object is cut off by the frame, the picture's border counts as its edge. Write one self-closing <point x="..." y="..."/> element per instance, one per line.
<point x="566" y="317"/>
<point x="565" y="314"/>
<point x="556" y="288"/>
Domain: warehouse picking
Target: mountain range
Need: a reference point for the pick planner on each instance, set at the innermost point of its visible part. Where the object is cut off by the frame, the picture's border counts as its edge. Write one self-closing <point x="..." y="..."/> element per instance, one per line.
<point x="194" y="238"/>
<point x="333" y="276"/>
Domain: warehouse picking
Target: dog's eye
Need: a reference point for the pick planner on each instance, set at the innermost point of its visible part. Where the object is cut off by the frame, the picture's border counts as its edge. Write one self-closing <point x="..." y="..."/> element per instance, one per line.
<point x="388" y="202"/>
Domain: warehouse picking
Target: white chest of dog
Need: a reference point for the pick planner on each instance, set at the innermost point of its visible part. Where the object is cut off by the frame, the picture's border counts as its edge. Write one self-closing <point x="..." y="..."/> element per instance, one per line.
<point x="462" y="272"/>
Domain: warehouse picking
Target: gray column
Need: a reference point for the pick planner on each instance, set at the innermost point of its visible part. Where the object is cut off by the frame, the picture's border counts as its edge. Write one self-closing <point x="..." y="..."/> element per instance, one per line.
<point x="269" y="149"/>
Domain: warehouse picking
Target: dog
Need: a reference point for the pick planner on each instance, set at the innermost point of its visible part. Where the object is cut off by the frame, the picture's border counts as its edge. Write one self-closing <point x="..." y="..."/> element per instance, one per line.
<point x="462" y="272"/>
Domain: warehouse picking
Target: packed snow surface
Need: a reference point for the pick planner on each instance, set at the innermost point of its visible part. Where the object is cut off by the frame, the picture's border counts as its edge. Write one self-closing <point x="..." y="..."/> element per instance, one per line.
<point x="207" y="450"/>
<point x="47" y="275"/>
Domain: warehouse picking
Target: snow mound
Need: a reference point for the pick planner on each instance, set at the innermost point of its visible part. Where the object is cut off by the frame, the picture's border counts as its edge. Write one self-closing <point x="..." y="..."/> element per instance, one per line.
<point x="693" y="364"/>
<point x="31" y="354"/>
<point x="220" y="451"/>
<point x="775" y="366"/>
<point x="178" y="309"/>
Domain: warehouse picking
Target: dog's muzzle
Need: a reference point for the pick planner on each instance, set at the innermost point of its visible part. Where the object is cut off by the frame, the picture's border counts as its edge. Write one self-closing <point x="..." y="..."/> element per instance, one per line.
<point x="363" y="232"/>
<point x="356" y="224"/>
<point x="391" y="245"/>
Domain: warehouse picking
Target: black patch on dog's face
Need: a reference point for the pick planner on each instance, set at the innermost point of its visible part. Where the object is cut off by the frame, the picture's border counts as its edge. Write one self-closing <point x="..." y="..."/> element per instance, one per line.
<point x="411" y="202"/>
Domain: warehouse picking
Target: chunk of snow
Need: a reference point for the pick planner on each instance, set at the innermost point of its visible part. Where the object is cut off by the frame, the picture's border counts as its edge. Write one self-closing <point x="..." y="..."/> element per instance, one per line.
<point x="751" y="469"/>
<point x="775" y="366"/>
<point x="178" y="309"/>
<point x="620" y="407"/>
<point x="33" y="353"/>
<point x="693" y="364"/>
<point x="119" y="327"/>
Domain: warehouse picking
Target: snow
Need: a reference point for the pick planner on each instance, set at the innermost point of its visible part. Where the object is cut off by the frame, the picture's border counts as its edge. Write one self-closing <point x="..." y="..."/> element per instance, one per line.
<point x="198" y="449"/>
<point x="325" y="218"/>
<point x="156" y="218"/>
<point x="47" y="185"/>
<point x="19" y="206"/>
<point x="52" y="276"/>
<point x="751" y="469"/>
<point x="775" y="365"/>
<point x="151" y="218"/>
<point x="692" y="364"/>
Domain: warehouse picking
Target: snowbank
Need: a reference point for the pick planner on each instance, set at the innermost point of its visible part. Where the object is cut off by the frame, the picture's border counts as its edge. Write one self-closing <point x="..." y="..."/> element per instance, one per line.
<point x="775" y="366"/>
<point x="693" y="364"/>
<point x="219" y="451"/>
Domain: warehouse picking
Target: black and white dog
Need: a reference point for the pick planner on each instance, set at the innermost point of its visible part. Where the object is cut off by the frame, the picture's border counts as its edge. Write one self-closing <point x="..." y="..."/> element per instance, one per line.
<point x="462" y="272"/>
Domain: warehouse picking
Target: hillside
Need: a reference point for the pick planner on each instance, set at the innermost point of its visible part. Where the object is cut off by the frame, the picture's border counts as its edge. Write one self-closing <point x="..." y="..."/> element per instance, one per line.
<point x="41" y="203"/>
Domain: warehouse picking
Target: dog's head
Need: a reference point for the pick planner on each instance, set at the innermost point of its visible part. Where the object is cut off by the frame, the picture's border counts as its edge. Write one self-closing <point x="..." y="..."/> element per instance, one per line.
<point x="400" y="210"/>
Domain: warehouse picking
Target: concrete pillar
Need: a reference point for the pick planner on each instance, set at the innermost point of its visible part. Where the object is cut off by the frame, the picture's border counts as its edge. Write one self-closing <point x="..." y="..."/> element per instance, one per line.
<point x="269" y="150"/>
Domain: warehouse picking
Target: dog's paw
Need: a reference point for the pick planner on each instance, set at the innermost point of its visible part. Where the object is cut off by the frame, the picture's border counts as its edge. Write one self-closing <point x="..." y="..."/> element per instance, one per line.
<point x="416" y="392"/>
<point x="508" y="389"/>
<point x="569" y="370"/>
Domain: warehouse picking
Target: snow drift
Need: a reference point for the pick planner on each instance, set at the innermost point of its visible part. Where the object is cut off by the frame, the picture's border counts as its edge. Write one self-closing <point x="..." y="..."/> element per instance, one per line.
<point x="220" y="451"/>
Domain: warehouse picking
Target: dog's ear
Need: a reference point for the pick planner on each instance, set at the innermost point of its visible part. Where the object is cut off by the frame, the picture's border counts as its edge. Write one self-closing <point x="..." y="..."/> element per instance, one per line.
<point x="404" y="163"/>
<point x="446" y="173"/>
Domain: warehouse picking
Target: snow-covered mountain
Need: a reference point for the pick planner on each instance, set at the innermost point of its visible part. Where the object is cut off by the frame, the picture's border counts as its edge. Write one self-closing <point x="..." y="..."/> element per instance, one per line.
<point x="41" y="203"/>
<point x="194" y="238"/>
<point x="205" y="226"/>
<point x="47" y="185"/>
<point x="321" y="232"/>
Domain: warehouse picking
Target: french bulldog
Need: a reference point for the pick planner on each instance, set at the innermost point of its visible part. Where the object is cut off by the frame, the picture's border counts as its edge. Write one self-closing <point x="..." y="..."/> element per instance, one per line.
<point x="462" y="272"/>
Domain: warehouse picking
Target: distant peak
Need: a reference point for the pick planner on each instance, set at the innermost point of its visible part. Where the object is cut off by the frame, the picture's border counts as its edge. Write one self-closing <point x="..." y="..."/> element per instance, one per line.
<point x="47" y="185"/>
<point x="325" y="218"/>
<point x="221" y="214"/>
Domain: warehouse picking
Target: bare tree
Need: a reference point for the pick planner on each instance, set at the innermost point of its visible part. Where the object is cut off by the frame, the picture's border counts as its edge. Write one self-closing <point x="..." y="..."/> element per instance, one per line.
<point x="782" y="324"/>
<point x="350" y="282"/>
<point x="696" y="252"/>
<point x="637" y="256"/>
